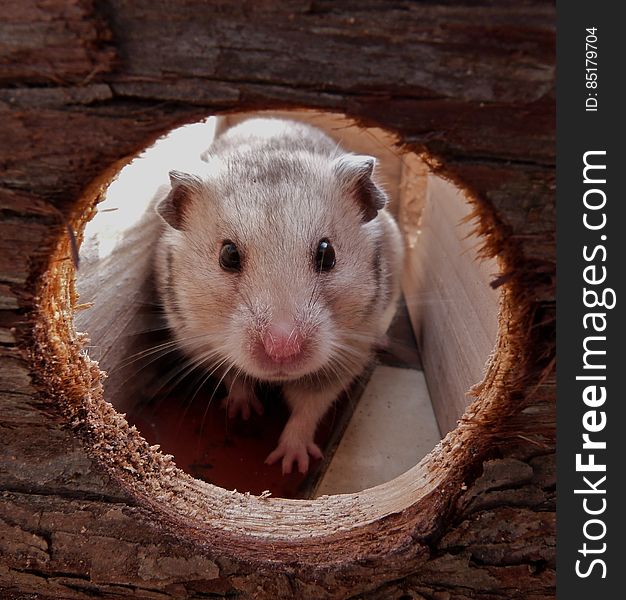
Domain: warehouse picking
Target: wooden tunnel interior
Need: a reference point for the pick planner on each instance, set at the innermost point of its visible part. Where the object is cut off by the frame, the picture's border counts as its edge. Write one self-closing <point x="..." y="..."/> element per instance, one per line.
<point x="88" y="507"/>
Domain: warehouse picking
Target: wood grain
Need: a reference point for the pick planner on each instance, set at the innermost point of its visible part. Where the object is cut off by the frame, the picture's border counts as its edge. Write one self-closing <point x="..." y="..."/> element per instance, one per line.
<point x="453" y="308"/>
<point x="86" y="506"/>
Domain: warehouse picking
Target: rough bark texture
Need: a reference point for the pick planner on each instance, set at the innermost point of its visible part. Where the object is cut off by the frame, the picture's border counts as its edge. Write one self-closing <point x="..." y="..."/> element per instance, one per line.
<point x="86" y="508"/>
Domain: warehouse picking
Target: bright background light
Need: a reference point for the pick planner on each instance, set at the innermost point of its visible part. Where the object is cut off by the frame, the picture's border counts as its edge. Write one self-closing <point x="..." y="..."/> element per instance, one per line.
<point x="128" y="197"/>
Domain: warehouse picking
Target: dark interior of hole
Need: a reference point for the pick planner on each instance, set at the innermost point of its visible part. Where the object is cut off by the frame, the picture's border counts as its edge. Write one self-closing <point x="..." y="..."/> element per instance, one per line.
<point x="181" y="411"/>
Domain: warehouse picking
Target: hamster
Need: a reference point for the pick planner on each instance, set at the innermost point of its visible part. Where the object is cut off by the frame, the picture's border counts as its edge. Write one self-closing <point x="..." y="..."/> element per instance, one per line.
<point x="279" y="263"/>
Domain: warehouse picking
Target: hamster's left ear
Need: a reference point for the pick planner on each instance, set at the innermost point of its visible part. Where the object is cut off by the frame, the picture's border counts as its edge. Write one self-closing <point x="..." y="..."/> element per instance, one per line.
<point x="175" y="206"/>
<point x="354" y="172"/>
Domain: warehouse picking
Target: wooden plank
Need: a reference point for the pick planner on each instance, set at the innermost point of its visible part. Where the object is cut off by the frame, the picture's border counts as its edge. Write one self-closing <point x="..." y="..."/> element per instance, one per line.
<point x="453" y="309"/>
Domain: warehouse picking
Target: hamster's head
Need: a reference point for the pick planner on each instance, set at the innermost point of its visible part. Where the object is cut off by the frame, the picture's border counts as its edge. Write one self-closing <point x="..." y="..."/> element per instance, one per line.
<point x="275" y="261"/>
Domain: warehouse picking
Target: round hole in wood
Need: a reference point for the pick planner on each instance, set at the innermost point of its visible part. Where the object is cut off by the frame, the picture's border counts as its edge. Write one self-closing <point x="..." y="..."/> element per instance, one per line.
<point x="384" y="523"/>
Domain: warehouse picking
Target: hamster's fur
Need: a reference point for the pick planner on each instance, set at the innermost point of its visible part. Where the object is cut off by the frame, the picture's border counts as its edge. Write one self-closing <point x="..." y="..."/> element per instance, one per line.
<point x="246" y="276"/>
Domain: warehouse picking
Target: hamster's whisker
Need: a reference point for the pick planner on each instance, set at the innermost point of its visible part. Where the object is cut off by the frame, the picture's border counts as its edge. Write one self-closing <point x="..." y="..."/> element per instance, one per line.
<point x="208" y="404"/>
<point x="230" y="389"/>
<point x="208" y="375"/>
<point x="348" y="358"/>
<point x="173" y="350"/>
<point x="154" y="349"/>
<point x="331" y="369"/>
<point x="316" y="291"/>
<point x="133" y="358"/>
<point x="204" y="378"/>
<point x="350" y="366"/>
<point x="156" y="354"/>
<point x="340" y="346"/>
<point x="190" y="365"/>
<point x="232" y="383"/>
<point x="179" y="374"/>
<point x="247" y="301"/>
<point x="346" y="364"/>
<point x="148" y="330"/>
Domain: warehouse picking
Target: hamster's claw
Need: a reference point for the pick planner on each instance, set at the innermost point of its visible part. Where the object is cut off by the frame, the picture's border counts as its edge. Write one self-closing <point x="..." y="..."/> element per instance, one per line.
<point x="239" y="404"/>
<point x="292" y="451"/>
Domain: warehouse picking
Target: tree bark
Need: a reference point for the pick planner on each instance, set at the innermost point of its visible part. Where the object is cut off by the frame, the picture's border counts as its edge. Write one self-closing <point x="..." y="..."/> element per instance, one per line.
<point x="86" y="507"/>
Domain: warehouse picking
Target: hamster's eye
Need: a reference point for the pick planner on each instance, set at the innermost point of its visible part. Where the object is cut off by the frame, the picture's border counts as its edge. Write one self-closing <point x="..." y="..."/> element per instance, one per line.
<point x="324" y="256"/>
<point x="229" y="257"/>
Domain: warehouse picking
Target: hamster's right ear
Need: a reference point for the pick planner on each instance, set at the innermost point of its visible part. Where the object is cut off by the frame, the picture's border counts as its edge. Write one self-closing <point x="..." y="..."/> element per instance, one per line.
<point x="173" y="207"/>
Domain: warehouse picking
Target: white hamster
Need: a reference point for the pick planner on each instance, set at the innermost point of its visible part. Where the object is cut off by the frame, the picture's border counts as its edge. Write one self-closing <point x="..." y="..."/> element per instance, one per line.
<point x="278" y="263"/>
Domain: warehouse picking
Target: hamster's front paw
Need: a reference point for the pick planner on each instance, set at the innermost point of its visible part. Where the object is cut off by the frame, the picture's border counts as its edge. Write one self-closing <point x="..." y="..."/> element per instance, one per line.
<point x="239" y="400"/>
<point x="294" y="449"/>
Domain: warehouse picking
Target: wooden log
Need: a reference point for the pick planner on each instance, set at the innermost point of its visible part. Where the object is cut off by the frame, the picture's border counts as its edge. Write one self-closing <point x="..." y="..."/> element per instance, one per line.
<point x="86" y="506"/>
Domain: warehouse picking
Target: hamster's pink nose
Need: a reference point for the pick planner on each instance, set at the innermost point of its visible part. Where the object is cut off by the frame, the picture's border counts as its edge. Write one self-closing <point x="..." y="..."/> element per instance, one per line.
<point x="282" y="343"/>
